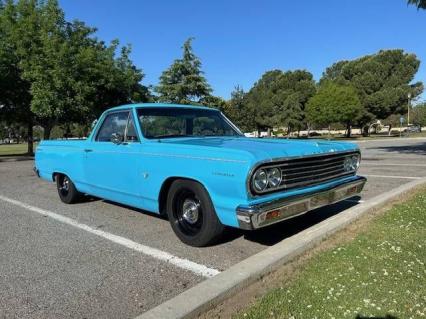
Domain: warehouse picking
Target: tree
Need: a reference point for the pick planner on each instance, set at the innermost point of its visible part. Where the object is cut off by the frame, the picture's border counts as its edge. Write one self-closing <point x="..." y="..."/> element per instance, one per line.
<point x="418" y="114"/>
<point x="382" y="81"/>
<point x="279" y="99"/>
<point x="67" y="75"/>
<point x="420" y="4"/>
<point x="238" y="112"/>
<point x="334" y="103"/>
<point x="75" y="77"/>
<point x="214" y="101"/>
<point x="15" y="97"/>
<point x="183" y="82"/>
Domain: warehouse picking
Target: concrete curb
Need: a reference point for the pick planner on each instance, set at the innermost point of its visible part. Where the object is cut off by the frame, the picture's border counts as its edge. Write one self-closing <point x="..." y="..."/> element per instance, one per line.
<point x="209" y="293"/>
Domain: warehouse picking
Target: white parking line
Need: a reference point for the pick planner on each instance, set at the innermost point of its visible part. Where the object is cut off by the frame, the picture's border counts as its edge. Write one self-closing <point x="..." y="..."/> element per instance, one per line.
<point x="392" y="176"/>
<point x="149" y="251"/>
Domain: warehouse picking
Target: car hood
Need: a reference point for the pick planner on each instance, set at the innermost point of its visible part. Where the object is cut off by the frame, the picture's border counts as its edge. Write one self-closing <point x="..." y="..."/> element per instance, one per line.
<point x="267" y="148"/>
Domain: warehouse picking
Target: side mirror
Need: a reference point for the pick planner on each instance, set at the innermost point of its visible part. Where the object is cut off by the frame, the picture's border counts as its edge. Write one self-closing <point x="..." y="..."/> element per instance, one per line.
<point x="117" y="138"/>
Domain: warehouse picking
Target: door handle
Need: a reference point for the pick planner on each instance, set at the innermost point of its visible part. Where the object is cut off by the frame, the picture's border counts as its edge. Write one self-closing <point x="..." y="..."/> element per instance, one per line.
<point x="87" y="150"/>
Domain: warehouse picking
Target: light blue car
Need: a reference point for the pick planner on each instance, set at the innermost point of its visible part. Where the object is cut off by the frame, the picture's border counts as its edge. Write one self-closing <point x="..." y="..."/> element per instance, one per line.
<point x="193" y="165"/>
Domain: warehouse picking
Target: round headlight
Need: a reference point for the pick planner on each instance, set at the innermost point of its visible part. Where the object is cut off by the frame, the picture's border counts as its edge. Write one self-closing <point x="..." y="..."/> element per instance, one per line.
<point x="347" y="165"/>
<point x="260" y="180"/>
<point x="355" y="162"/>
<point x="274" y="177"/>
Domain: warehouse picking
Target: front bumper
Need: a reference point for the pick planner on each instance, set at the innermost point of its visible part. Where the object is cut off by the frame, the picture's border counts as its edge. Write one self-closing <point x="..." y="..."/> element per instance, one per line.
<point x="267" y="213"/>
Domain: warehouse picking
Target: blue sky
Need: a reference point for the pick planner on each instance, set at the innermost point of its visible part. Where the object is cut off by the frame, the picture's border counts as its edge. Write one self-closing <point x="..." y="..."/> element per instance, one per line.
<point x="238" y="41"/>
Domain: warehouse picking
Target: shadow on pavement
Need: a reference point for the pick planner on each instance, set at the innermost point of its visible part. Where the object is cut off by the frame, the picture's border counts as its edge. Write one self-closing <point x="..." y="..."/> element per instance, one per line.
<point x="267" y="236"/>
<point x="15" y="158"/>
<point x="273" y="234"/>
<point x="415" y="149"/>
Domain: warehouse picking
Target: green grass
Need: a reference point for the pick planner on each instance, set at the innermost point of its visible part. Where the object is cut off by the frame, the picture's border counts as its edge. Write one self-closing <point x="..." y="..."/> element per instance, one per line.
<point x="14" y="149"/>
<point x="380" y="274"/>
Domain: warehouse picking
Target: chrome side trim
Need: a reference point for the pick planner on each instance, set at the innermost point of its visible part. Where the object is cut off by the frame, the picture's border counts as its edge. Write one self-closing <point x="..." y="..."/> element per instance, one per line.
<point x="249" y="217"/>
<point x="196" y="157"/>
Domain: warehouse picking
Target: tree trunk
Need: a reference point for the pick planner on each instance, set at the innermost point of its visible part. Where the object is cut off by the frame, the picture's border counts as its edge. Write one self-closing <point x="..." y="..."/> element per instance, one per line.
<point x="366" y="130"/>
<point x="348" y="130"/>
<point x="47" y="130"/>
<point x="269" y="132"/>
<point x="390" y="129"/>
<point x="30" y="138"/>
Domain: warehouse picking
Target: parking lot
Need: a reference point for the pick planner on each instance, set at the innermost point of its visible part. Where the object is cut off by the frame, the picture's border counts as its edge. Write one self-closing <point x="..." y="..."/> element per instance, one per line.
<point x="98" y="259"/>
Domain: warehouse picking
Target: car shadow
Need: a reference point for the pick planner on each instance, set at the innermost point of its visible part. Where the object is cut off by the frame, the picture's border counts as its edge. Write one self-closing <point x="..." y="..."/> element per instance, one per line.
<point x="273" y="234"/>
<point x="267" y="236"/>
<point x="414" y="149"/>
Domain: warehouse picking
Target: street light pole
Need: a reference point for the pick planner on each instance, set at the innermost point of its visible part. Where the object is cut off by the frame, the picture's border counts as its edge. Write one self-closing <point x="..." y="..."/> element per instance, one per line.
<point x="408" y="107"/>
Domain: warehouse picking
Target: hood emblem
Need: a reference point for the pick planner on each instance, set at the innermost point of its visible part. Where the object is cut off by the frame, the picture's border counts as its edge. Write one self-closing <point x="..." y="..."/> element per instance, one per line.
<point x="223" y="174"/>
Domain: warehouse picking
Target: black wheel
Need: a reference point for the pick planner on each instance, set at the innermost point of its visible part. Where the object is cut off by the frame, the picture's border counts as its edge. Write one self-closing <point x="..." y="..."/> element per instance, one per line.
<point x="66" y="189"/>
<point x="191" y="214"/>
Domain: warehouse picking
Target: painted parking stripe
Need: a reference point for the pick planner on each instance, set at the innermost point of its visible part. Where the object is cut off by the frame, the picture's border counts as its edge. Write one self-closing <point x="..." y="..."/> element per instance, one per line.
<point x="392" y="176"/>
<point x="149" y="251"/>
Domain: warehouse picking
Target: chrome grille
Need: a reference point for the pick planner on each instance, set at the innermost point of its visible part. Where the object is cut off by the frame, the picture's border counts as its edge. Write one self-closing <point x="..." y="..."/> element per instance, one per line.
<point x="309" y="171"/>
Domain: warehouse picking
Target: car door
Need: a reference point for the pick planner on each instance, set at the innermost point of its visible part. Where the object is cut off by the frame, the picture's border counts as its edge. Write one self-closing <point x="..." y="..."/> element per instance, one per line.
<point x="111" y="167"/>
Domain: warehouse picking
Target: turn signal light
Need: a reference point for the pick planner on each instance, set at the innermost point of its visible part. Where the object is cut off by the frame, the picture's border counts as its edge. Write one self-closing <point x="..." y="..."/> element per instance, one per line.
<point x="273" y="214"/>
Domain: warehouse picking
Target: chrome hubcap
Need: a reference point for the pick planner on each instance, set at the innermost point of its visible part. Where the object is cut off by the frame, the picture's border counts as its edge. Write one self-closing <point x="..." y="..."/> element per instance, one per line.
<point x="190" y="210"/>
<point x="65" y="185"/>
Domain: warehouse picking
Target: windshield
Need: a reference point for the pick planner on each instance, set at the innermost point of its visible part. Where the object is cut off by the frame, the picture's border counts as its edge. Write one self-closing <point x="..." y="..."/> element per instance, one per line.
<point x="184" y="122"/>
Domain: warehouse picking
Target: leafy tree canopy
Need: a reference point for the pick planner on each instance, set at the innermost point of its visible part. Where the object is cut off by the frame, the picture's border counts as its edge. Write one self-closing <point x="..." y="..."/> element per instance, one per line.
<point x="279" y="98"/>
<point x="237" y="110"/>
<point x="418" y="114"/>
<point x="334" y="103"/>
<point x="420" y="4"/>
<point x="67" y="75"/>
<point x="183" y="82"/>
<point x="382" y="81"/>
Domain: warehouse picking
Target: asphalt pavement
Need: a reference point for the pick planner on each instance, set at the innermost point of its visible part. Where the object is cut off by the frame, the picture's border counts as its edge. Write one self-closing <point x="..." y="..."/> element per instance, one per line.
<point x="98" y="259"/>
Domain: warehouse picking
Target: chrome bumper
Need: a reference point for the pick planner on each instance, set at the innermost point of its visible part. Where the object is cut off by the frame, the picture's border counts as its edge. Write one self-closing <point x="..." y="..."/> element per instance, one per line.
<point x="264" y="214"/>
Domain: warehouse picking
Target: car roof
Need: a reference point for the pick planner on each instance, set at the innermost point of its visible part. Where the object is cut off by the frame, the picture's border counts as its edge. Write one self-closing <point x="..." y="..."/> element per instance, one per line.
<point x="160" y="105"/>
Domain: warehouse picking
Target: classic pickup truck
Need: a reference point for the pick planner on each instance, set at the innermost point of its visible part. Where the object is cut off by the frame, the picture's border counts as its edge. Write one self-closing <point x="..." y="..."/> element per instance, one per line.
<point x="193" y="165"/>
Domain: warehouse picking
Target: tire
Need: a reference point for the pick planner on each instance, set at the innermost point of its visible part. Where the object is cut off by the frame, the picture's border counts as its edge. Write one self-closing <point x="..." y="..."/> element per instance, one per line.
<point x="192" y="215"/>
<point x="66" y="189"/>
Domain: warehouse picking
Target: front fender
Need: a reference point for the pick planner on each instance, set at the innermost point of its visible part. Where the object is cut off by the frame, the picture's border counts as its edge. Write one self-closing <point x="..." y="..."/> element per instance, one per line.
<point x="224" y="180"/>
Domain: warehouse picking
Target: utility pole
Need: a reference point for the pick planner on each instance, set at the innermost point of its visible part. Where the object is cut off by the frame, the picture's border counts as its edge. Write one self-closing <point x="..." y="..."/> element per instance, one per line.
<point x="408" y="113"/>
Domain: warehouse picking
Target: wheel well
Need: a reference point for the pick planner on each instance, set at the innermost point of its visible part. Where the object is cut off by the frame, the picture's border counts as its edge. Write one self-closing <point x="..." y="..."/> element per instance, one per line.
<point x="162" y="197"/>
<point x="56" y="174"/>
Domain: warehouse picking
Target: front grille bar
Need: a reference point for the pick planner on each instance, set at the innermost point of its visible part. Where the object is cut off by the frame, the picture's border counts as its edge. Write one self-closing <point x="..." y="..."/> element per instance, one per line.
<point x="308" y="171"/>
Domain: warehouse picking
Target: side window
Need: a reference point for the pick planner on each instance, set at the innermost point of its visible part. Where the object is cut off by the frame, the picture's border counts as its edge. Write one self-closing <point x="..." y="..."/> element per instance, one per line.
<point x="131" y="135"/>
<point x="113" y="123"/>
